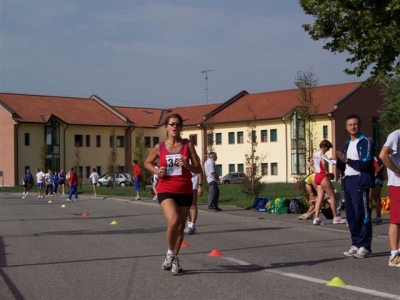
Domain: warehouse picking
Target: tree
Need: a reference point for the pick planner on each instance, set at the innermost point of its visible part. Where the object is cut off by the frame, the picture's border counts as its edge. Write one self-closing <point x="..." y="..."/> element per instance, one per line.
<point x="112" y="160"/>
<point x="140" y="153"/>
<point x="252" y="184"/>
<point x="368" y="30"/>
<point x="44" y="151"/>
<point x="306" y="83"/>
<point x="390" y="110"/>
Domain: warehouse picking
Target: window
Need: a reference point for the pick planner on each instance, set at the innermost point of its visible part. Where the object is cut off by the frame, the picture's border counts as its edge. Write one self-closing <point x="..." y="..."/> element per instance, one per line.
<point x="231" y="167"/>
<point x="264" y="168"/>
<point x="27" y="139"/>
<point x="253" y="137"/>
<point x="218" y="138"/>
<point x="78" y="140"/>
<point x="80" y="173"/>
<point x="98" y="170"/>
<point x="111" y="141"/>
<point x="264" y="136"/>
<point x="219" y="169"/>
<point x="240" y="137"/>
<point x="87" y="140"/>
<point x="325" y="132"/>
<point x="147" y="142"/>
<point x="98" y="141"/>
<point x="274" y="168"/>
<point x="88" y="171"/>
<point x="193" y="139"/>
<point x="231" y="138"/>
<point x="210" y="140"/>
<point x="120" y="141"/>
<point x="274" y="137"/>
<point x="240" y="167"/>
<point x="156" y="140"/>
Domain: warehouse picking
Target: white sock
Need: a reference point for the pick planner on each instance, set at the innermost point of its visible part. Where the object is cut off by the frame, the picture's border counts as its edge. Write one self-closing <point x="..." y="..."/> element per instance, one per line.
<point x="170" y="252"/>
<point x="393" y="253"/>
<point x="190" y="224"/>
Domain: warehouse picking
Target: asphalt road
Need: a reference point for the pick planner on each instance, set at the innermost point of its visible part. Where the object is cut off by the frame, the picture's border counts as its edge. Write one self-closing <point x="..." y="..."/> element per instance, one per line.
<point x="50" y="252"/>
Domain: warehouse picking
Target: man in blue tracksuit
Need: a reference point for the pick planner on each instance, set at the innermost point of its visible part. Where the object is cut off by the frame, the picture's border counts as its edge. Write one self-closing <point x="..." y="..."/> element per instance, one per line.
<point x="356" y="163"/>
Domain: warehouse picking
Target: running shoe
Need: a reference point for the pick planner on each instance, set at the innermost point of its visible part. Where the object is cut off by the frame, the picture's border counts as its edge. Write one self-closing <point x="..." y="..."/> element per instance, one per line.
<point x="377" y="221"/>
<point x="176" y="267"/>
<point x="353" y="250"/>
<point x="68" y="199"/>
<point x="394" y="261"/>
<point x="305" y="216"/>
<point x="138" y="198"/>
<point x="167" y="264"/>
<point x="362" y="253"/>
<point x="317" y="221"/>
<point x="190" y="231"/>
<point x="339" y="220"/>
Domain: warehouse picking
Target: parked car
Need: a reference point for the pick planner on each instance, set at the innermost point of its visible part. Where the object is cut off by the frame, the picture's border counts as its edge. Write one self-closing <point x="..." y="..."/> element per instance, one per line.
<point x="233" y="177"/>
<point x="120" y="179"/>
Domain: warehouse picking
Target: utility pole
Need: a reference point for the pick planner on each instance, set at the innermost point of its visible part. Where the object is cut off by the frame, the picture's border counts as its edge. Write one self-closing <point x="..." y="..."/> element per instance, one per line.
<point x="206" y="72"/>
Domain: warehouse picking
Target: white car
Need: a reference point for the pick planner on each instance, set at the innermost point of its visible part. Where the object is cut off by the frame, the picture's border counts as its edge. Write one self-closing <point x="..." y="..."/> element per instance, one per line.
<point x="233" y="177"/>
<point x="120" y="179"/>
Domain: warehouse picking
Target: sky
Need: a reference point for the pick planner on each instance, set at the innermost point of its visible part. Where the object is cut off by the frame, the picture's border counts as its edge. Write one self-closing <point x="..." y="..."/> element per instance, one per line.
<point x="154" y="53"/>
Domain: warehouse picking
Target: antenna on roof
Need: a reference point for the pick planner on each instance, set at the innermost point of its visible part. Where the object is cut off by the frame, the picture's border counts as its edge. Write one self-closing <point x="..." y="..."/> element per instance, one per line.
<point x="206" y="72"/>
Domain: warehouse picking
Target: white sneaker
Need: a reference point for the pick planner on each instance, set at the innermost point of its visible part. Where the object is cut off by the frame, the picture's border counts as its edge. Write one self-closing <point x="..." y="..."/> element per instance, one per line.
<point x="138" y="198"/>
<point x="68" y="199"/>
<point x="176" y="267"/>
<point x="167" y="264"/>
<point x="317" y="221"/>
<point x="339" y="220"/>
<point x="353" y="250"/>
<point x="362" y="253"/>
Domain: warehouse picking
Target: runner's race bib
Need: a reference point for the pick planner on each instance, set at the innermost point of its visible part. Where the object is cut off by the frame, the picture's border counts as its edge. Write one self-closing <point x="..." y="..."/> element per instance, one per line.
<point x="173" y="169"/>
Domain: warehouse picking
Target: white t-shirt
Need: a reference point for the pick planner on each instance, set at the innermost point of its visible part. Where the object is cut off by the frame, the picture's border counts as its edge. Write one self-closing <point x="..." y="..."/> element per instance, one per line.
<point x="209" y="167"/>
<point x="40" y="177"/>
<point x="94" y="177"/>
<point x="352" y="154"/>
<point x="195" y="181"/>
<point x="49" y="179"/>
<point x="393" y="143"/>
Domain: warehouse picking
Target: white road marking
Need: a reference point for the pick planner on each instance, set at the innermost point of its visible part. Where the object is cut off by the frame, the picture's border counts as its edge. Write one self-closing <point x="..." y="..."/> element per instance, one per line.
<point x="321" y="281"/>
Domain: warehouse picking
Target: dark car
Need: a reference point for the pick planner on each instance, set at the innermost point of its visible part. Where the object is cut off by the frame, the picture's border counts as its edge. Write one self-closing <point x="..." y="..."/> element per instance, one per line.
<point x="233" y="177"/>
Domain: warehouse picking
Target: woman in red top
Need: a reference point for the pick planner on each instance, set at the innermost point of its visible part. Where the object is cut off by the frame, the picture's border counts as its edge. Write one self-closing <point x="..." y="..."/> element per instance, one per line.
<point x="174" y="189"/>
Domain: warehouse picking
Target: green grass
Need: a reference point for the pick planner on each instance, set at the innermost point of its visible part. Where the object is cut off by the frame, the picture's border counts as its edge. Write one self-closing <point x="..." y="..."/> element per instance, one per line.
<point x="230" y="194"/>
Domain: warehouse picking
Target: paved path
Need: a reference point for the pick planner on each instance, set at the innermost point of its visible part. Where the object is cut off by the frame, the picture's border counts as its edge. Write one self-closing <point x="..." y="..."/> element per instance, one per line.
<point x="50" y="252"/>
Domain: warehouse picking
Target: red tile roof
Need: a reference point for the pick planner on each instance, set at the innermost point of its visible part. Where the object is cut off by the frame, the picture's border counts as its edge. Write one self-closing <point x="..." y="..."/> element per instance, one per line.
<point x="275" y="105"/>
<point x="141" y="117"/>
<point x="191" y="115"/>
<point x="77" y="111"/>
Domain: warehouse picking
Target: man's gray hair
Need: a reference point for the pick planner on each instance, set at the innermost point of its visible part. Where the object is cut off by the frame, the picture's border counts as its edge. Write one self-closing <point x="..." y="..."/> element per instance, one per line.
<point x="212" y="154"/>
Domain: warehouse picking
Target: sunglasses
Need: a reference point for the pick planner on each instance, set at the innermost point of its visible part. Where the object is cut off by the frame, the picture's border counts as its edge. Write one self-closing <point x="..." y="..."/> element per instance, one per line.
<point x="172" y="124"/>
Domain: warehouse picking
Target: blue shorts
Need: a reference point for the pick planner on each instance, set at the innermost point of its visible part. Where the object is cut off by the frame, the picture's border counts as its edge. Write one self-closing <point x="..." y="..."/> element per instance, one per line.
<point x="40" y="185"/>
<point x="136" y="184"/>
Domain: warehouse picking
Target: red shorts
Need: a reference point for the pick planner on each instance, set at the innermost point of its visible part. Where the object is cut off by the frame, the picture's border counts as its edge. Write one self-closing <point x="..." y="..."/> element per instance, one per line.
<point x="394" y="196"/>
<point x="319" y="177"/>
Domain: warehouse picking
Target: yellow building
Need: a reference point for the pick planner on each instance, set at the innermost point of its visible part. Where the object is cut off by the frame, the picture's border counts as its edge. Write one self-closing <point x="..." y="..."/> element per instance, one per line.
<point x="81" y="129"/>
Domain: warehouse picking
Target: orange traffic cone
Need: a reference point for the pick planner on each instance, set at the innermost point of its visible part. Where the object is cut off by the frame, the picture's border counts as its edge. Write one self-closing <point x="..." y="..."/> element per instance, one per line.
<point x="85" y="214"/>
<point x="215" y="253"/>
<point x="184" y="244"/>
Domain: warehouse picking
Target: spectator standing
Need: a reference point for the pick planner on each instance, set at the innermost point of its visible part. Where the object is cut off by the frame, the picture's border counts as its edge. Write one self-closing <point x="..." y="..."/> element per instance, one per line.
<point x="137" y="173"/>
<point x="56" y="182"/>
<point x="375" y="192"/>
<point x="155" y="183"/>
<point x="213" y="180"/>
<point x="31" y="181"/>
<point x="177" y="159"/>
<point x="356" y="163"/>
<point x="197" y="182"/>
<point x="61" y="175"/>
<point x="93" y="179"/>
<point x="390" y="156"/>
<point x="40" y="177"/>
<point x="73" y="185"/>
<point x="49" y="183"/>
<point x="24" y="183"/>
